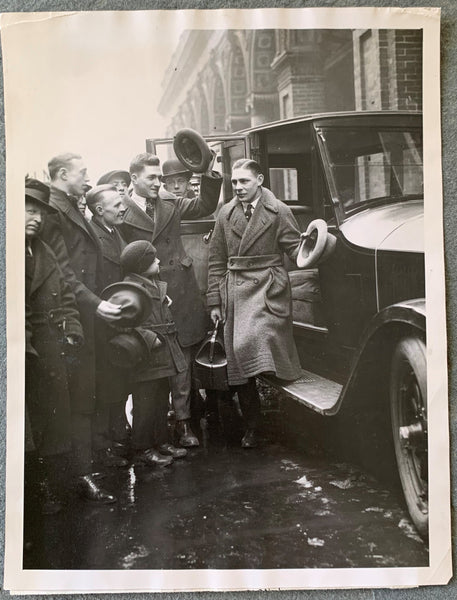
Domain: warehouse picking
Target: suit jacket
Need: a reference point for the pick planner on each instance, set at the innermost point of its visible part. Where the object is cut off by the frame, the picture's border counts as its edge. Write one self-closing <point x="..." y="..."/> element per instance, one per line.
<point x="79" y="254"/>
<point x="188" y="308"/>
<point x="247" y="278"/>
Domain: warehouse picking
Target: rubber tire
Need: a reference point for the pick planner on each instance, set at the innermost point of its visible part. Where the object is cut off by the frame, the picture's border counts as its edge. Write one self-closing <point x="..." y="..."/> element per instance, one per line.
<point x="409" y="356"/>
<point x="309" y="260"/>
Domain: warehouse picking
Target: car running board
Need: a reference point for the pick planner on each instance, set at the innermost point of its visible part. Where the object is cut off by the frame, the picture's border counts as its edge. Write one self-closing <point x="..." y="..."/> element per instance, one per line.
<point x="315" y="392"/>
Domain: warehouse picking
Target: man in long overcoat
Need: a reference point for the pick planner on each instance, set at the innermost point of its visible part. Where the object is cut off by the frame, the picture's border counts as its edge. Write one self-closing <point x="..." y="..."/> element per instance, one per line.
<point x="249" y="287"/>
<point x="52" y="326"/>
<point x="156" y="217"/>
<point x="105" y="203"/>
<point x="78" y="251"/>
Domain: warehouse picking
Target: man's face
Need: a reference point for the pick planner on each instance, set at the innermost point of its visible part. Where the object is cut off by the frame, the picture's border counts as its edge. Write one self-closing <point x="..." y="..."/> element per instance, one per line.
<point x="121" y="185"/>
<point x="33" y="219"/>
<point x="113" y="209"/>
<point x="246" y="184"/>
<point x="176" y="184"/>
<point x="146" y="183"/>
<point x="76" y="176"/>
<point x="195" y="186"/>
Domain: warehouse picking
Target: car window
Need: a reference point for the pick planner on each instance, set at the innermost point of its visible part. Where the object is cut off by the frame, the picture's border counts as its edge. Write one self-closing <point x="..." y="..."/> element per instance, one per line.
<point x="284" y="184"/>
<point x="370" y="163"/>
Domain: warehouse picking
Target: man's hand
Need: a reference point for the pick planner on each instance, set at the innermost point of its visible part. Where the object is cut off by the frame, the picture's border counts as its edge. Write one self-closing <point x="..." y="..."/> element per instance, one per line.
<point x="209" y="170"/>
<point x="216" y="314"/>
<point x="108" y="311"/>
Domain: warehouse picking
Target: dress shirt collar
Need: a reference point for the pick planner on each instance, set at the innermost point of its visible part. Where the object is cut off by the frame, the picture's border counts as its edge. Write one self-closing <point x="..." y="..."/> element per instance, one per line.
<point x="140" y="201"/>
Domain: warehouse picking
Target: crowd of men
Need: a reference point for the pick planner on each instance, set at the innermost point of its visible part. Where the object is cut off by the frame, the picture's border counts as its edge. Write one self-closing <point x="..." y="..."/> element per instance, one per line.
<point x="76" y="271"/>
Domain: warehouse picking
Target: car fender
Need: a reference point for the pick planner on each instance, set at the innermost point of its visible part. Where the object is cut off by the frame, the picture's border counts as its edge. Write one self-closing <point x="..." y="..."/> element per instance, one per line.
<point x="388" y="325"/>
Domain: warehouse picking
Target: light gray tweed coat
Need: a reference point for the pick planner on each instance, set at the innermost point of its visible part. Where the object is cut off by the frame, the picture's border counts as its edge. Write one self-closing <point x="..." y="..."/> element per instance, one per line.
<point x="254" y="293"/>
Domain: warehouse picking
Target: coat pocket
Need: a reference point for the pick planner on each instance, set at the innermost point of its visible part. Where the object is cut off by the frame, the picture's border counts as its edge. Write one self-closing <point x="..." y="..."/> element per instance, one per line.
<point x="186" y="261"/>
<point x="277" y="294"/>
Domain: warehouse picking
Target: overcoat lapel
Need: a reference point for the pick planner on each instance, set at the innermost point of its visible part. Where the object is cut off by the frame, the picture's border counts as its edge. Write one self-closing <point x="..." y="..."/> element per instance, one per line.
<point x="163" y="214"/>
<point x="64" y="205"/>
<point x="260" y="221"/>
<point x="236" y="218"/>
<point x="136" y="217"/>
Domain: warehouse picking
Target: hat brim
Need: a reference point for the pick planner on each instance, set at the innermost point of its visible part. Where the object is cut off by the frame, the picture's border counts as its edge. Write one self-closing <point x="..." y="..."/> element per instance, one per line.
<point x="192" y="150"/>
<point x="107" y="177"/>
<point x="145" y="298"/>
<point x="35" y="196"/>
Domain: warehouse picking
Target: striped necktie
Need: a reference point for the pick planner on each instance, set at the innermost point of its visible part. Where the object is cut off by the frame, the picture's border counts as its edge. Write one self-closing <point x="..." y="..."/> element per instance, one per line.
<point x="248" y="212"/>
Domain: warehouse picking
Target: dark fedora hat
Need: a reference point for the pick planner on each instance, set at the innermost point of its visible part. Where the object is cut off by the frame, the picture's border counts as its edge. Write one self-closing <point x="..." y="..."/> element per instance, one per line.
<point x="134" y="299"/>
<point x="38" y="192"/>
<point x="192" y="150"/>
<point x="173" y="166"/>
<point x="107" y="177"/>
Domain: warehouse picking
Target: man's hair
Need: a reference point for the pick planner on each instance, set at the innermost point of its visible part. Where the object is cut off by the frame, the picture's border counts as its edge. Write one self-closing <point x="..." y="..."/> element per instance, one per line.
<point x="247" y="163"/>
<point x="95" y="195"/>
<point x="143" y="160"/>
<point x="62" y="161"/>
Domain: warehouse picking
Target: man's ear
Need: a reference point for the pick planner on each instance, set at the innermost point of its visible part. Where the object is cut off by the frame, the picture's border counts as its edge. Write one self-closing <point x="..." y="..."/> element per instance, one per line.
<point x="133" y="177"/>
<point x="99" y="210"/>
<point x="63" y="173"/>
<point x="260" y="178"/>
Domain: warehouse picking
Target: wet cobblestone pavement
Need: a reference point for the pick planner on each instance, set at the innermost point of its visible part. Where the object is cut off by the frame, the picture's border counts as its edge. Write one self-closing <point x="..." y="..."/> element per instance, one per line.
<point x="228" y="508"/>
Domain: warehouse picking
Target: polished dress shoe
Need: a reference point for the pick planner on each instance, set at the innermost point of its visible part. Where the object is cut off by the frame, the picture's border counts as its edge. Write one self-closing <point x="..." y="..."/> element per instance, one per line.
<point x="109" y="459"/>
<point x="249" y="439"/>
<point x="186" y="436"/>
<point x="152" y="458"/>
<point x="90" y="490"/>
<point x="170" y="450"/>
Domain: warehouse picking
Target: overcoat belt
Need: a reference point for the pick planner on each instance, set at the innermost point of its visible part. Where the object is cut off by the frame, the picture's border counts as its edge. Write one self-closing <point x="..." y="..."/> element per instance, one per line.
<point x="248" y="280"/>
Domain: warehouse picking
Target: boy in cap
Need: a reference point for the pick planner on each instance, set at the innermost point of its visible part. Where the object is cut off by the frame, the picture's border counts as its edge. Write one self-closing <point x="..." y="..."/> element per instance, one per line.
<point x="162" y="358"/>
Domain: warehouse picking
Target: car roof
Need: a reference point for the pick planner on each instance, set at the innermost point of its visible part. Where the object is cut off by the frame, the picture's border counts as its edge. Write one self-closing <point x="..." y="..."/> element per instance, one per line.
<point x="367" y="114"/>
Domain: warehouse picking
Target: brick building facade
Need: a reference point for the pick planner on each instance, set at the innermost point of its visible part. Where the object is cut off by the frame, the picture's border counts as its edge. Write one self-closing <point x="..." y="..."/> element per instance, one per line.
<point x="224" y="81"/>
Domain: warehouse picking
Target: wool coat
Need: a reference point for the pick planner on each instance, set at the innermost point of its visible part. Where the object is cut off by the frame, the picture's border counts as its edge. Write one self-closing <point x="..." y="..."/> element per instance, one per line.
<point x="188" y="308"/>
<point x="51" y="314"/>
<point x="79" y="254"/>
<point x="168" y="359"/>
<point x="248" y="281"/>
<point x="111" y="384"/>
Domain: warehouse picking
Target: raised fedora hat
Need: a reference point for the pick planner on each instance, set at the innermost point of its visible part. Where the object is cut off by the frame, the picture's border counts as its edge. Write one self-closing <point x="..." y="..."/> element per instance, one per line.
<point x="192" y="150"/>
<point x="134" y="299"/>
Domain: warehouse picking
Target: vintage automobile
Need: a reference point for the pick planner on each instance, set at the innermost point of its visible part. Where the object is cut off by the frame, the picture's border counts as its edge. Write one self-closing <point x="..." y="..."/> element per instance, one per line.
<point x="358" y="311"/>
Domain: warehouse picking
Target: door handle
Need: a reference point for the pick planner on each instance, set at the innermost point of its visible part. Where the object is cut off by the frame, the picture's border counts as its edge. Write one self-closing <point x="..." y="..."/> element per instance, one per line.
<point x="207" y="236"/>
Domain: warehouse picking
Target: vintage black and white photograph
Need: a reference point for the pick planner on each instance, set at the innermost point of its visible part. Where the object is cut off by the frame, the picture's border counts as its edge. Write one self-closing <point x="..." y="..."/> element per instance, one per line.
<point x="228" y="323"/>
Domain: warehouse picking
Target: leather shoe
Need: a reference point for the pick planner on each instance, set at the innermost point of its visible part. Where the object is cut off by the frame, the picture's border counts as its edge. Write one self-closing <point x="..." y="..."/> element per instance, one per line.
<point x="109" y="459"/>
<point x="187" y="438"/>
<point x="90" y="490"/>
<point x="151" y="458"/>
<point x="249" y="439"/>
<point x="170" y="450"/>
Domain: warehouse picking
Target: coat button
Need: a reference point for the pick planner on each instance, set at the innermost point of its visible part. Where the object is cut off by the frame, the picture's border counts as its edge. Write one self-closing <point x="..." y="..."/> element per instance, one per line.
<point x="172" y="262"/>
<point x="239" y="283"/>
<point x="168" y="240"/>
<point x="256" y="281"/>
<point x="231" y="261"/>
<point x="249" y="263"/>
<point x="83" y="270"/>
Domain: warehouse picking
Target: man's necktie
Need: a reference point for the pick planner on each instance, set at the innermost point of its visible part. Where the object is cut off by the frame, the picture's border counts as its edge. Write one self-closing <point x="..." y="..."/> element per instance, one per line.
<point x="248" y="212"/>
<point x="150" y="209"/>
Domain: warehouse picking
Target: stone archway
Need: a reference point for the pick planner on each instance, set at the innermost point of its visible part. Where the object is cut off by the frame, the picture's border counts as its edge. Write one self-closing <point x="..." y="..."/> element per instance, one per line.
<point x="219" y="105"/>
<point x="238" y="117"/>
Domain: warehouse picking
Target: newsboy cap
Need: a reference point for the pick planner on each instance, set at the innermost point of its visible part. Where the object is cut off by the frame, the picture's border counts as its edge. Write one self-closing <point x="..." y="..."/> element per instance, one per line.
<point x="137" y="257"/>
<point x="108" y="177"/>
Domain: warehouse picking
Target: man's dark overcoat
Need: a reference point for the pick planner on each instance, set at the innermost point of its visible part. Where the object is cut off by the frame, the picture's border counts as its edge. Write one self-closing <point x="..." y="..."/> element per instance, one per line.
<point x="51" y="314"/>
<point x="247" y="279"/>
<point x="188" y="308"/>
<point x="78" y="251"/>
<point x="112" y="386"/>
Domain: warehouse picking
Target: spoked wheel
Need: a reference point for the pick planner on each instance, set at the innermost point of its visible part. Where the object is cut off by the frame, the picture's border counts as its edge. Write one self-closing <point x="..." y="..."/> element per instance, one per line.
<point x="408" y="402"/>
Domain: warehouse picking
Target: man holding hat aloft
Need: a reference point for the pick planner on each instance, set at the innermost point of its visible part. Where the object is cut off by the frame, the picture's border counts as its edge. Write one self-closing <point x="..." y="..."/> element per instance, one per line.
<point x="150" y="349"/>
<point x="52" y="328"/>
<point x="155" y="215"/>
